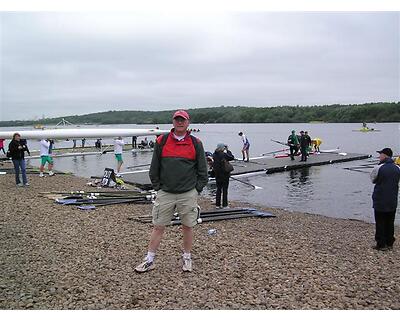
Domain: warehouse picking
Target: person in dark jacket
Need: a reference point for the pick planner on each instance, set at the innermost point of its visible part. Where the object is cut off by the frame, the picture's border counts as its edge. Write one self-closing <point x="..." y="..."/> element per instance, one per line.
<point x="24" y="142"/>
<point x="17" y="152"/>
<point x="385" y="176"/>
<point x="303" y="146"/>
<point x="221" y="155"/>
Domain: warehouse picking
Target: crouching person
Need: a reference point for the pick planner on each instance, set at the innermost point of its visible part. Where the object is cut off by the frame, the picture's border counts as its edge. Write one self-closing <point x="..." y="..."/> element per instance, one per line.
<point x="178" y="173"/>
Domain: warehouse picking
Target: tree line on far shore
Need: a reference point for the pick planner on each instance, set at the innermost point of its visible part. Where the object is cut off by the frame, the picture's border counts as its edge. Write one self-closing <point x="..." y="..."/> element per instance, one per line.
<point x="369" y="112"/>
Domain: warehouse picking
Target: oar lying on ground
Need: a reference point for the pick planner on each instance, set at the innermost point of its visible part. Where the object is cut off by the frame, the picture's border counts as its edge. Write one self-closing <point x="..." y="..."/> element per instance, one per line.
<point x="246" y="183"/>
<point x="224" y="214"/>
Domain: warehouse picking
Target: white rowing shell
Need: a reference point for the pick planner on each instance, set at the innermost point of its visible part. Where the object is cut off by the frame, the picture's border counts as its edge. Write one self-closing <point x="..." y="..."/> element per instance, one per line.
<point x="80" y="133"/>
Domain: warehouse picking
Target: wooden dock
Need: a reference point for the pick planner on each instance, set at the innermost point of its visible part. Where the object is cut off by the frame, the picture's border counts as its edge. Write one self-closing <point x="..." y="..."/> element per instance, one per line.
<point x="267" y="165"/>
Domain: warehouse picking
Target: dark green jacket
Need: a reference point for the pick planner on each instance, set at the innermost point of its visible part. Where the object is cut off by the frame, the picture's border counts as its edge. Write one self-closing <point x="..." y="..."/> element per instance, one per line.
<point x="178" y="166"/>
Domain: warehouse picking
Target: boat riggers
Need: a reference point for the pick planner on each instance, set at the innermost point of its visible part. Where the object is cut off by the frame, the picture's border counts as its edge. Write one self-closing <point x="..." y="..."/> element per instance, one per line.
<point x="246" y="183"/>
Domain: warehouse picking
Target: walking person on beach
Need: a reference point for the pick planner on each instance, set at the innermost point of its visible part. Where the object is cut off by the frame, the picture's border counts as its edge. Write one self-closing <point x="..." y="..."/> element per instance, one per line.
<point x="2" y="145"/>
<point x="246" y="147"/>
<point x="118" y="148"/>
<point x="134" y="142"/>
<point x="178" y="173"/>
<point x="45" y="157"/>
<point x="385" y="176"/>
<point x="17" y="153"/>
<point x="293" y="143"/>
<point x="220" y="157"/>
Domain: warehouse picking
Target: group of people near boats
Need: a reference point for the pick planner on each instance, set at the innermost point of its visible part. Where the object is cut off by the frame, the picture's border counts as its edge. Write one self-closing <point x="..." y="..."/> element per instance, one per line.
<point x="304" y="143"/>
<point x="178" y="173"/>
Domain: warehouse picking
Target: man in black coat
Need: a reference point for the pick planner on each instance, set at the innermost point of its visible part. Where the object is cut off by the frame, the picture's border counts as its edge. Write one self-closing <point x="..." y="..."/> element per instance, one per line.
<point x="385" y="176"/>
<point x="303" y="146"/>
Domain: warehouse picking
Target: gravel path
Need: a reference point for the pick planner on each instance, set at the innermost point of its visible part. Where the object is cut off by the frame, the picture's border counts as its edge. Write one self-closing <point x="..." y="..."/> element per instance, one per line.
<point x="55" y="257"/>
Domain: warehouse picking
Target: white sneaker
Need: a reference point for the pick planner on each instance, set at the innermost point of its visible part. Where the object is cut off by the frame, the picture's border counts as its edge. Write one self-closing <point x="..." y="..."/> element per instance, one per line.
<point x="20" y="184"/>
<point x="41" y="174"/>
<point x="26" y="184"/>
<point x="145" y="266"/>
<point x="187" y="264"/>
<point x="51" y="173"/>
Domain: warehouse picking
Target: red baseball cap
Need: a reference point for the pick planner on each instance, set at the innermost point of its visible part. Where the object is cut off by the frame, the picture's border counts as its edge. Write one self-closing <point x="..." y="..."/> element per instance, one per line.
<point x="181" y="113"/>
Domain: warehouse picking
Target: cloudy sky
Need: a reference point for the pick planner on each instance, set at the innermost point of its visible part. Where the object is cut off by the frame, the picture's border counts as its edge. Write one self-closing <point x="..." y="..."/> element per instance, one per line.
<point x="56" y="64"/>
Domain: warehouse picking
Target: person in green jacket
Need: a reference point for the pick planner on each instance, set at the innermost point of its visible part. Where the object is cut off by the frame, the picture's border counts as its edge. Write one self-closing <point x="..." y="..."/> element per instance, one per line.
<point x="293" y="143"/>
<point x="178" y="172"/>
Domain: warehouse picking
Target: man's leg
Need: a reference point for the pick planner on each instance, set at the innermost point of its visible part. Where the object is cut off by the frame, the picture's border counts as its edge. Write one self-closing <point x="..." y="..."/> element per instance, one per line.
<point x="16" y="169"/>
<point x="379" y="229"/>
<point x="187" y="239"/>
<point x="389" y="228"/>
<point x="156" y="237"/>
<point x="225" y="186"/>
<point x="218" y="194"/>
<point x="292" y="153"/>
<point x="23" y="172"/>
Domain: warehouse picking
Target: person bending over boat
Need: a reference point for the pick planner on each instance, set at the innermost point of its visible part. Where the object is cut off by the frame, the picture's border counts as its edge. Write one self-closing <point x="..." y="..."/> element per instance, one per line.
<point x="293" y="143"/>
<point x="45" y="157"/>
<point x="220" y="157"/>
<point x="316" y="142"/>
<point x="385" y="176"/>
<point x="118" y="147"/>
<point x="178" y="172"/>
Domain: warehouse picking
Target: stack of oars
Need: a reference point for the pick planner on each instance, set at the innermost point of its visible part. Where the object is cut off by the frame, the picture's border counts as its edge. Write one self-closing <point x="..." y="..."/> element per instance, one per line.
<point x="217" y="215"/>
<point x="85" y="200"/>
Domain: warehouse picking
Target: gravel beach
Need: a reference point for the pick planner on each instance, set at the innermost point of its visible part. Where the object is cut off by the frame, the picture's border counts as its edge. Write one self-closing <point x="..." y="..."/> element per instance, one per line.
<point x="58" y="257"/>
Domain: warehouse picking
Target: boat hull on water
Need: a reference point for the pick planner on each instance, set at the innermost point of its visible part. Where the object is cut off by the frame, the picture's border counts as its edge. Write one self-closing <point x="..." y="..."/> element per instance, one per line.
<point x="366" y="130"/>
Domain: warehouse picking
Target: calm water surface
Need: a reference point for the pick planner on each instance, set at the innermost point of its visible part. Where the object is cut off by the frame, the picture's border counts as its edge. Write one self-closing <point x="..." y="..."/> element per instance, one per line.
<point x="328" y="190"/>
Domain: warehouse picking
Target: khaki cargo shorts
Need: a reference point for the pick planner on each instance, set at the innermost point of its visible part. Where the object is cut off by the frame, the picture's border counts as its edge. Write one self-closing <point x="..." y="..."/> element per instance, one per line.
<point x="166" y="204"/>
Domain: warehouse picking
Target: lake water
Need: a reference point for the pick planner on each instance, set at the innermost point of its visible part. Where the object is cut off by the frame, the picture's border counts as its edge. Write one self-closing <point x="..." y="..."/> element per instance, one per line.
<point x="328" y="190"/>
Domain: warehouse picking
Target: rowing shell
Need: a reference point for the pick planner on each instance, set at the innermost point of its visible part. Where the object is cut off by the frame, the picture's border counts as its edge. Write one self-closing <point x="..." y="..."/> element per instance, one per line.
<point x="80" y="133"/>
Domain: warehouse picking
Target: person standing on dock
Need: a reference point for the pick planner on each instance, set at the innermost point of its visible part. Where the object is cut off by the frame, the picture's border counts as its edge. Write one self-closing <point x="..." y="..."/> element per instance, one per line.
<point x="293" y="143"/>
<point x="385" y="176"/>
<point x="220" y="157"/>
<point x="246" y="147"/>
<point x="134" y="142"/>
<point x="118" y="148"/>
<point x="17" y="154"/>
<point x="45" y="157"/>
<point x="303" y="146"/>
<point x="309" y="142"/>
<point x="178" y="173"/>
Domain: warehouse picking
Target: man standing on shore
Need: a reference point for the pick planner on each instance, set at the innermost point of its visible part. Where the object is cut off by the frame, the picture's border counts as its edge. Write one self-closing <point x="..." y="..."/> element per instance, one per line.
<point x="386" y="177"/>
<point x="178" y="173"/>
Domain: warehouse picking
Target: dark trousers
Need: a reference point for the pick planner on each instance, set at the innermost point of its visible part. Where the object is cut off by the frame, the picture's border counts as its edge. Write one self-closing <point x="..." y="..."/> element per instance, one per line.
<point x="303" y="153"/>
<point x="17" y="165"/>
<point x="293" y="151"/>
<point x="222" y="188"/>
<point x="384" y="224"/>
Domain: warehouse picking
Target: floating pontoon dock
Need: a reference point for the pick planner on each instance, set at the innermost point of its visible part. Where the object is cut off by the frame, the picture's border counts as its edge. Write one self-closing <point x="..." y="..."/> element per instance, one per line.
<point x="267" y="165"/>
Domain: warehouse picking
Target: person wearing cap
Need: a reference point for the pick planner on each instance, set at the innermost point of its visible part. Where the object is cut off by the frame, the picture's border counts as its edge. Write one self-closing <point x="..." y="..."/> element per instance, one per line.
<point x="118" y="148"/>
<point x="385" y="176"/>
<point x="221" y="154"/>
<point x="178" y="172"/>
<point x="246" y="147"/>
<point x="293" y="143"/>
<point x="304" y="143"/>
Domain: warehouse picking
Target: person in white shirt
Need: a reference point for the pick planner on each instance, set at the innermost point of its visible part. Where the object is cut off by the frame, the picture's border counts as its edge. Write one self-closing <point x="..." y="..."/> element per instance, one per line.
<point x="246" y="147"/>
<point x="118" y="147"/>
<point x="45" y="157"/>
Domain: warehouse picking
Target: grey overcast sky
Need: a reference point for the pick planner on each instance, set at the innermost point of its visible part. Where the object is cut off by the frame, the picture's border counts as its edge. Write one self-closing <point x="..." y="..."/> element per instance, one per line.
<point x="56" y="64"/>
